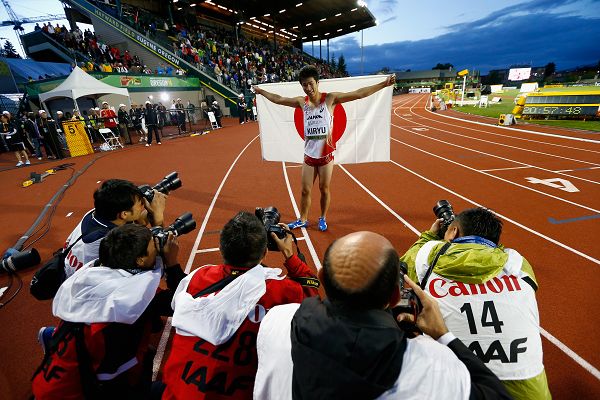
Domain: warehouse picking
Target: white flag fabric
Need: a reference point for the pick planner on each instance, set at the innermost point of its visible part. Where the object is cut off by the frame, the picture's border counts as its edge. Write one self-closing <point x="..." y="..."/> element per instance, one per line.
<point x="366" y="137"/>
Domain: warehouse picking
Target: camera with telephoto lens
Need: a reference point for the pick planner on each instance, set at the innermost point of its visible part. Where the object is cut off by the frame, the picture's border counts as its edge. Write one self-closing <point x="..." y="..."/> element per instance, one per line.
<point x="269" y="216"/>
<point x="167" y="184"/>
<point x="409" y="303"/>
<point x="19" y="260"/>
<point x="443" y="210"/>
<point x="182" y="225"/>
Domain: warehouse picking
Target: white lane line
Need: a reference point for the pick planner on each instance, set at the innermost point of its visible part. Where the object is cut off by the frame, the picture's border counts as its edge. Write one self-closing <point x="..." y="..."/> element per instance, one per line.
<point x="212" y="250"/>
<point x="497" y="177"/>
<point x="578" y="169"/>
<point x="188" y="265"/>
<point x="554" y="241"/>
<point x="394" y="213"/>
<point x="564" y="348"/>
<point x="309" y="244"/>
<point x="500" y="157"/>
<point x="160" y="350"/>
<point x="477" y="130"/>
<point x="505" y="169"/>
<point x="516" y="129"/>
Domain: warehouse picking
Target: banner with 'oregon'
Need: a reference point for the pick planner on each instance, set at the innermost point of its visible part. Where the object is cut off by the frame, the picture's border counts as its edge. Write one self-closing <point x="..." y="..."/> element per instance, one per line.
<point x="77" y="139"/>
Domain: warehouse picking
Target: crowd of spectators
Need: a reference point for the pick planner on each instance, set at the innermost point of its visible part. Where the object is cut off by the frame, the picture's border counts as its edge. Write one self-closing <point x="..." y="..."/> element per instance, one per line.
<point x="237" y="63"/>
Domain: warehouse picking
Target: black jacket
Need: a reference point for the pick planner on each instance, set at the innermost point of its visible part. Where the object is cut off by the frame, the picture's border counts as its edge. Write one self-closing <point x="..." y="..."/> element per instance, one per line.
<point x="151" y="117"/>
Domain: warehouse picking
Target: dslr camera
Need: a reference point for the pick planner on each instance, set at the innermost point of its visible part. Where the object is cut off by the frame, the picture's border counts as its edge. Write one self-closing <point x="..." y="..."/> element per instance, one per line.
<point x="167" y="184"/>
<point x="269" y="216"/>
<point x="443" y="210"/>
<point x="182" y="225"/>
<point x="409" y="303"/>
<point x="19" y="260"/>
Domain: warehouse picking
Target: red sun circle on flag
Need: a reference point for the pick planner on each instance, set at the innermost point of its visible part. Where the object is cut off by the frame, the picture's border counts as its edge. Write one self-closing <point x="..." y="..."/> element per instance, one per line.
<point x="339" y="122"/>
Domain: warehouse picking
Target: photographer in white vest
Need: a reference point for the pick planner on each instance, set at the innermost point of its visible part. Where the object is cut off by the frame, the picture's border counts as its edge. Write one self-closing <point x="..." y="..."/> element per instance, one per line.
<point x="486" y="294"/>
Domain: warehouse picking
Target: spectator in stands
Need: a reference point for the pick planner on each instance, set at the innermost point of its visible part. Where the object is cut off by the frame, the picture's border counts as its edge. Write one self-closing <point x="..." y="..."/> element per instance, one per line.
<point x="31" y="129"/>
<point x="136" y="113"/>
<point x="14" y="139"/>
<point x="100" y="348"/>
<point x="109" y="118"/>
<point x="242" y="109"/>
<point x="350" y="347"/>
<point x="116" y="202"/>
<point x="151" y="119"/>
<point x="318" y="148"/>
<point x="495" y="279"/>
<point x="180" y="115"/>
<point x="124" y="123"/>
<point x="173" y="112"/>
<point x="91" y="123"/>
<point x="191" y="110"/>
<point x="217" y="111"/>
<point x="76" y="116"/>
<point x="48" y="130"/>
<point x="161" y="110"/>
<point x="216" y="334"/>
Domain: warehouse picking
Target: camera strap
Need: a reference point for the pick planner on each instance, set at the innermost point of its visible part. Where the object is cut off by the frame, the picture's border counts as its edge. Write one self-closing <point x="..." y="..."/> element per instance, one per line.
<point x="300" y="255"/>
<point x="435" y="260"/>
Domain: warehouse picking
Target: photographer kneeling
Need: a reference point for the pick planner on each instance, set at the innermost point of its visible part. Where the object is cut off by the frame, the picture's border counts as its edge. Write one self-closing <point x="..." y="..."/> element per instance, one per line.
<point x="486" y="294"/>
<point x="107" y="311"/>
<point x="213" y="354"/>
<point x="116" y="202"/>
<point x="349" y="346"/>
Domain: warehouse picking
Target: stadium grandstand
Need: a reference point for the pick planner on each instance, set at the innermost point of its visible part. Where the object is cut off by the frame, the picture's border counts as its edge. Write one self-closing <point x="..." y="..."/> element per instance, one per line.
<point x="226" y="45"/>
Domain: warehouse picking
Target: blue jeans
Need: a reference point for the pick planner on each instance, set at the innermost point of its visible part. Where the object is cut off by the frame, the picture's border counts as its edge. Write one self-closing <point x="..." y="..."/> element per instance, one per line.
<point x="37" y="143"/>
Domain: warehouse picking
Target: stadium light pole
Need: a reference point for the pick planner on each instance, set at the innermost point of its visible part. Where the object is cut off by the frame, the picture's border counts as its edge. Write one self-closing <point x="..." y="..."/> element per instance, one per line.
<point x="362" y="65"/>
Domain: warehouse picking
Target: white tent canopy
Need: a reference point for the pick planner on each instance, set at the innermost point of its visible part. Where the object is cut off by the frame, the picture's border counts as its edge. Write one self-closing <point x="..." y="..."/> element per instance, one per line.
<point x="80" y="84"/>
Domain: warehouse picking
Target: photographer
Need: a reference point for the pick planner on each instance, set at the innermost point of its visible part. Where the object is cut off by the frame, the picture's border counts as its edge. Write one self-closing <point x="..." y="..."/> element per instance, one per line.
<point x="349" y="346"/>
<point x="116" y="202"/>
<point x="108" y="309"/>
<point x="213" y="354"/>
<point x="487" y="296"/>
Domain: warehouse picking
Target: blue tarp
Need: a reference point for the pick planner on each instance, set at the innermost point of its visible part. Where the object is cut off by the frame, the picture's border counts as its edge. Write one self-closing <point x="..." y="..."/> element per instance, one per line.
<point x="23" y="69"/>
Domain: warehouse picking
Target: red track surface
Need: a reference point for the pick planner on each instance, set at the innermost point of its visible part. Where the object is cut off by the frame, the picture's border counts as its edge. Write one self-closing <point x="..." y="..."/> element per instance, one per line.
<point x="433" y="157"/>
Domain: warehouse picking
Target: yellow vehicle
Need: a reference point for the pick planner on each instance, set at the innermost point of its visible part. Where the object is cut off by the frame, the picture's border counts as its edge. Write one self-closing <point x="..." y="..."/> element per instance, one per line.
<point x="580" y="104"/>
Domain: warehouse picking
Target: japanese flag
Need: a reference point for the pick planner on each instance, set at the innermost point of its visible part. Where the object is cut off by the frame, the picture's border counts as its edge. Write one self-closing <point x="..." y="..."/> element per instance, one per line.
<point x="361" y="127"/>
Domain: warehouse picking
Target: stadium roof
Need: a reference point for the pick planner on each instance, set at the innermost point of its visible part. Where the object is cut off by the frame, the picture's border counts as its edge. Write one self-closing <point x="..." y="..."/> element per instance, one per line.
<point x="295" y="20"/>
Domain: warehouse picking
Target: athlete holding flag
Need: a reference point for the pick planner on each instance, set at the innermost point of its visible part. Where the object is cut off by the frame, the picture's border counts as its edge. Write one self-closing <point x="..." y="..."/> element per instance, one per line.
<point x="317" y="110"/>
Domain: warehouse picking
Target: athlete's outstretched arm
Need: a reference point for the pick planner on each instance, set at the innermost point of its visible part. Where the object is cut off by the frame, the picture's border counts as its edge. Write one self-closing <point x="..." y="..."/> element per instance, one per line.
<point x="343" y="97"/>
<point x="277" y="99"/>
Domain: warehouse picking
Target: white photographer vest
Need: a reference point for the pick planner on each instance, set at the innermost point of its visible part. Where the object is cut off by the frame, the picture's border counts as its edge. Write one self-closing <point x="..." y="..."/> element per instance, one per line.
<point x="318" y="123"/>
<point x="81" y="253"/>
<point x="498" y="320"/>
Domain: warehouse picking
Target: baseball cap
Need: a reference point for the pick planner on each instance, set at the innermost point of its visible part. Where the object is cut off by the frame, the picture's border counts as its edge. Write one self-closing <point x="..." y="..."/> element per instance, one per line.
<point x="121" y="105"/>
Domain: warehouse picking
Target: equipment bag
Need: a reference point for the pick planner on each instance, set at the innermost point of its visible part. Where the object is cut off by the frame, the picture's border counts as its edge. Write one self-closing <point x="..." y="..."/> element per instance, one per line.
<point x="50" y="276"/>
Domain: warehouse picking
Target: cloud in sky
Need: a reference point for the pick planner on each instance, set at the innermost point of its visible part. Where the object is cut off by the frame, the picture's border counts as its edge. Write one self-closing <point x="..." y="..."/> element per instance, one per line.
<point x="565" y="32"/>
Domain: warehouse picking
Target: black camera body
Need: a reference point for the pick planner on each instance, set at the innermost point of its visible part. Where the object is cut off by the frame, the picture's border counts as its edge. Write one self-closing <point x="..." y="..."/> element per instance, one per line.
<point x="409" y="303"/>
<point x="443" y="210"/>
<point x="269" y="216"/>
<point x="182" y="225"/>
<point x="167" y="184"/>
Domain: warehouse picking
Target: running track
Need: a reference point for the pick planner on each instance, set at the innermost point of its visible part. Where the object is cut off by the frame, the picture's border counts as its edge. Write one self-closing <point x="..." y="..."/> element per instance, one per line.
<point x="433" y="156"/>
